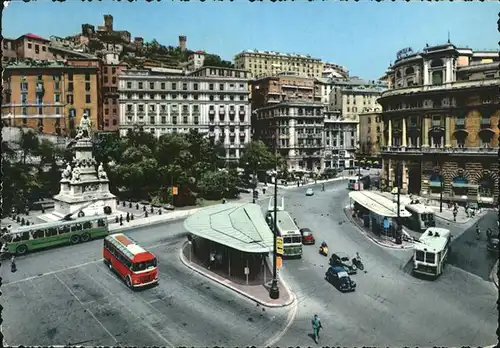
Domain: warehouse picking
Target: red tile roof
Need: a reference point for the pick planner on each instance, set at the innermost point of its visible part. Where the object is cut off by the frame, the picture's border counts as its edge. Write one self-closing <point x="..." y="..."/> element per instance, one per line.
<point x="33" y="36"/>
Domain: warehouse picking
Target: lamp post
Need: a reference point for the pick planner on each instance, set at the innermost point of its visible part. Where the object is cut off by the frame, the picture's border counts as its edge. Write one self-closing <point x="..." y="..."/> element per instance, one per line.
<point x="441" y="192"/>
<point x="399" y="228"/>
<point x="274" y="292"/>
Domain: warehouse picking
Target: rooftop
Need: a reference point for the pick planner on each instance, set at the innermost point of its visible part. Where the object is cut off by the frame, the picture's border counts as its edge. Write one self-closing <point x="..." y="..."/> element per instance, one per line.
<point x="277" y="54"/>
<point x="36" y="64"/>
<point x="33" y="36"/>
<point x="240" y="226"/>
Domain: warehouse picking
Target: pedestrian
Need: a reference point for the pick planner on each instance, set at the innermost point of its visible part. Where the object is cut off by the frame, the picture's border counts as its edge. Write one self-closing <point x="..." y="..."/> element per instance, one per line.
<point x="121" y="220"/>
<point x="316" y="325"/>
<point x="212" y="259"/>
<point x="127" y="217"/>
<point x="13" y="267"/>
<point x="454" y="215"/>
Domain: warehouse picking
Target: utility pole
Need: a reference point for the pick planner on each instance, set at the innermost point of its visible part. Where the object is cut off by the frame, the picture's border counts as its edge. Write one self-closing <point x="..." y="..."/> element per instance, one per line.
<point x="274" y="292"/>
<point x="441" y="192"/>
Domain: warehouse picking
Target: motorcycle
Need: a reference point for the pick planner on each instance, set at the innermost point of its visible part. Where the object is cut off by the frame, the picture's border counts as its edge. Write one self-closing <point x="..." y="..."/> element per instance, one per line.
<point x="323" y="250"/>
<point x="357" y="262"/>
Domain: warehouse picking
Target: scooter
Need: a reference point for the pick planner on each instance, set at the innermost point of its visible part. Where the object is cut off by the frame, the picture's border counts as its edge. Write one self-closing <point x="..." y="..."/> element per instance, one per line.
<point x="323" y="250"/>
<point x="357" y="262"/>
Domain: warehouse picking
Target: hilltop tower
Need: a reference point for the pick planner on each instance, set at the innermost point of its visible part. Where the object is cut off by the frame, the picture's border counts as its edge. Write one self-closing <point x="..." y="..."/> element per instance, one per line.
<point x="182" y="42"/>
<point x="108" y="22"/>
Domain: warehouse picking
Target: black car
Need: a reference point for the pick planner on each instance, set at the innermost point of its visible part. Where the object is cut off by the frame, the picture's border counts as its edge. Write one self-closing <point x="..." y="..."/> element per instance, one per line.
<point x="339" y="278"/>
<point x="343" y="260"/>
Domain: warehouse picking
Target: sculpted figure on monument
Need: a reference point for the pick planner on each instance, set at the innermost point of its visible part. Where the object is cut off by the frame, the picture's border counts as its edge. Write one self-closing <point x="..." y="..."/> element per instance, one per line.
<point x="67" y="172"/>
<point x="101" y="173"/>
<point x="75" y="175"/>
<point x="85" y="128"/>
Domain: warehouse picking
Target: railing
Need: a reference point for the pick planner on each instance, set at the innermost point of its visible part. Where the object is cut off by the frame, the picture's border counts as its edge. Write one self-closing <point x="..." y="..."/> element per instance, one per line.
<point x="437" y="123"/>
<point x="460" y="122"/>
<point x="242" y="113"/>
<point x="440" y="150"/>
<point x="211" y="112"/>
<point x="485" y="122"/>
<point x="39" y="88"/>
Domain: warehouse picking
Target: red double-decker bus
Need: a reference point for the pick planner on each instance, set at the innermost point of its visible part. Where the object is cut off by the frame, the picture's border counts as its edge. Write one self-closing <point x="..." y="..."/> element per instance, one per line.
<point x="135" y="265"/>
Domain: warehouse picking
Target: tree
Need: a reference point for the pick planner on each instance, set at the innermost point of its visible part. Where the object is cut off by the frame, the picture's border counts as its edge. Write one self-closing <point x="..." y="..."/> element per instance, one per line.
<point x="216" y="61"/>
<point x="28" y="143"/>
<point x="216" y="185"/>
<point x="257" y="156"/>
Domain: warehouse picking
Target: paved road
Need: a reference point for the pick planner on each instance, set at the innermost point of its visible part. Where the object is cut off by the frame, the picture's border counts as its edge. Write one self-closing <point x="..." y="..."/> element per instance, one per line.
<point x="470" y="254"/>
<point x="67" y="296"/>
<point x="390" y="307"/>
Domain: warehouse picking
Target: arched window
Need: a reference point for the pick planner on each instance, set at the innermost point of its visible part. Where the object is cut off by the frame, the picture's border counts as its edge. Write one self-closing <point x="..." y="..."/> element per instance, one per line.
<point x="437" y="77"/>
<point x="436" y="63"/>
<point x="398" y="74"/>
<point x="409" y="71"/>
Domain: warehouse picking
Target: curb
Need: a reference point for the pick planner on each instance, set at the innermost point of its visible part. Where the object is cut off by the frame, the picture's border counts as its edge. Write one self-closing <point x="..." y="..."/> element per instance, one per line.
<point x="229" y="286"/>
<point x="493" y="274"/>
<point x="373" y="239"/>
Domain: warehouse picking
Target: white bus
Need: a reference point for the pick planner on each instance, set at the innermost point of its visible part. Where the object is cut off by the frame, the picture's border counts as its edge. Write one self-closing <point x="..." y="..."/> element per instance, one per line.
<point x="431" y="252"/>
<point x="422" y="217"/>
<point x="287" y="229"/>
<point x="352" y="184"/>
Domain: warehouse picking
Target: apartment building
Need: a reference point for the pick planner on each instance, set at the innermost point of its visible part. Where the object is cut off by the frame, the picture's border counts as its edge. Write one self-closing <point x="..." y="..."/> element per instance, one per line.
<point x="111" y="96"/>
<point x="340" y="140"/>
<point x="27" y="46"/>
<point x="288" y="114"/>
<point x="268" y="63"/>
<point x="50" y="97"/>
<point x="371" y="129"/>
<point x="440" y="123"/>
<point x="195" y="61"/>
<point x="212" y="100"/>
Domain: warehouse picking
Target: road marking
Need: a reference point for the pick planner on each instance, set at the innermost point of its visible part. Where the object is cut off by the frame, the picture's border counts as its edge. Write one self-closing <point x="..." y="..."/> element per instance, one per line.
<point x="75" y="266"/>
<point x="86" y="309"/>
<point x="149" y="326"/>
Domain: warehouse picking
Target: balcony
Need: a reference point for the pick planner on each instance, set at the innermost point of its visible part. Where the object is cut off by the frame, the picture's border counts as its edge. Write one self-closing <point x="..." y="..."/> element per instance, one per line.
<point x="129" y="113"/>
<point x="485" y="123"/>
<point x="211" y="112"/>
<point x="232" y="113"/>
<point x="232" y="134"/>
<point x="174" y="113"/>
<point x="437" y="123"/>
<point x="211" y="134"/>
<point x="460" y="122"/>
<point x="222" y="112"/>
<point x="242" y="113"/>
<point x="467" y="151"/>
<point x="141" y="113"/>
<point x="242" y="134"/>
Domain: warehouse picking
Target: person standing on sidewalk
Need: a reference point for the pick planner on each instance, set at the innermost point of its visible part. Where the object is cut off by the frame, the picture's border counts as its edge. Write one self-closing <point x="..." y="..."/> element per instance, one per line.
<point x="316" y="325"/>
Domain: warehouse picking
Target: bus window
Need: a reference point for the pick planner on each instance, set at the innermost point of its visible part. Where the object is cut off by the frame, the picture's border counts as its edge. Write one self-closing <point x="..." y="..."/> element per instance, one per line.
<point x="430" y="258"/>
<point x="287" y="240"/>
<point x="419" y="255"/>
<point x="142" y="266"/>
<point x="53" y="231"/>
<point x="26" y="236"/>
<point x="87" y="225"/>
<point x="296" y="240"/>
<point x="101" y="223"/>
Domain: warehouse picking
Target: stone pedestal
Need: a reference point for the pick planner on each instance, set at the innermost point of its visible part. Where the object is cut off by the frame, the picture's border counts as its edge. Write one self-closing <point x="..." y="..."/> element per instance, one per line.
<point x="84" y="186"/>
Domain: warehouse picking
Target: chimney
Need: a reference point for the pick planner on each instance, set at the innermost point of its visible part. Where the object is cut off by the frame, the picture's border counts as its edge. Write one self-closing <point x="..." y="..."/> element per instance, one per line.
<point x="182" y="42"/>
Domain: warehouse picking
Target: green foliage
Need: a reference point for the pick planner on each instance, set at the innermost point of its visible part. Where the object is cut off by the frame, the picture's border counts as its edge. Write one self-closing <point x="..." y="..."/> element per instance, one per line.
<point x="216" y="185"/>
<point x="217" y="61"/>
<point x="256" y="156"/>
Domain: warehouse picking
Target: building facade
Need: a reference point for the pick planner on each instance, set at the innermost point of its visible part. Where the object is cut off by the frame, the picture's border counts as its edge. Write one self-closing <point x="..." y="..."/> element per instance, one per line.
<point x="371" y="129"/>
<point x="50" y="97"/>
<point x="110" y="96"/>
<point x="440" y="123"/>
<point x="266" y="63"/>
<point x="212" y="100"/>
<point x="27" y="46"/>
<point x="287" y="113"/>
<point x="340" y="141"/>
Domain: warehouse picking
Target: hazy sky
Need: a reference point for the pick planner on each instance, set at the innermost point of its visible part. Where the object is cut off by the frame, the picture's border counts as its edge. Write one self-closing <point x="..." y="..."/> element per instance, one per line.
<point x="363" y="36"/>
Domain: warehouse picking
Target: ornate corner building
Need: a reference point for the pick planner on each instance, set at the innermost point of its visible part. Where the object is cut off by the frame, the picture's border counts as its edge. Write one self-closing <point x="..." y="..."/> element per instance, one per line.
<point x="440" y="118"/>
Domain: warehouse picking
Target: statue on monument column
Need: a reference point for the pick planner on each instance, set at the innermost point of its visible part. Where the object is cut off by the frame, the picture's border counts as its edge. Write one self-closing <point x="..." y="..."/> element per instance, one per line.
<point x="101" y="173"/>
<point x="85" y="128"/>
<point x="75" y="175"/>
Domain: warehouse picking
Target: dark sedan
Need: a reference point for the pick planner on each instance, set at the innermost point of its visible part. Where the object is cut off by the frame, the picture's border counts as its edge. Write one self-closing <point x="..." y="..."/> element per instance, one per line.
<point x="339" y="278"/>
<point x="307" y="236"/>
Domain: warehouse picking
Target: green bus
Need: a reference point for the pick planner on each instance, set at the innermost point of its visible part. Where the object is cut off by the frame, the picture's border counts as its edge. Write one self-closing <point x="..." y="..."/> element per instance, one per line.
<point x="34" y="237"/>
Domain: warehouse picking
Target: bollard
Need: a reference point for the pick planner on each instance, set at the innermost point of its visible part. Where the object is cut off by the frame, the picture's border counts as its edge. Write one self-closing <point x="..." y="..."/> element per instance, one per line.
<point x="116" y="219"/>
<point x="137" y="206"/>
<point x="144" y="208"/>
<point x="123" y="204"/>
<point x="130" y="204"/>
<point x="22" y="222"/>
<point x="131" y="216"/>
<point x="159" y="211"/>
<point x="145" y="214"/>
<point x="152" y="210"/>
<point x="127" y="217"/>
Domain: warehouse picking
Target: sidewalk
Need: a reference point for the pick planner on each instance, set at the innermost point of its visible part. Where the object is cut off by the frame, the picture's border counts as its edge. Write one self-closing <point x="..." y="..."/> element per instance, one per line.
<point x="257" y="293"/>
<point x="384" y="241"/>
<point x="494" y="274"/>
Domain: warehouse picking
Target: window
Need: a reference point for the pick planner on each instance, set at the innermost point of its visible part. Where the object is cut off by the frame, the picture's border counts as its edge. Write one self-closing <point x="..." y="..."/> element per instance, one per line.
<point x="184" y="86"/>
<point x="87" y="98"/>
<point x="174" y="86"/>
<point x="419" y="255"/>
<point x="70" y="76"/>
<point x="70" y="87"/>
<point x="195" y="86"/>
<point x="87" y="76"/>
<point x="69" y="99"/>
<point x="113" y="80"/>
<point x="430" y="257"/>
<point x="30" y="46"/>
<point x="211" y="86"/>
<point x="151" y="85"/>
<point x="129" y="85"/>
<point x="106" y="111"/>
<point x="87" y="86"/>
<point x="57" y="97"/>
<point x="113" y="70"/>
<point x="140" y="85"/>
<point x="162" y="86"/>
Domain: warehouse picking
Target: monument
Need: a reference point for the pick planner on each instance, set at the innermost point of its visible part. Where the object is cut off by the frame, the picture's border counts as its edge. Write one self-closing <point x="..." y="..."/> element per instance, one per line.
<point x="84" y="182"/>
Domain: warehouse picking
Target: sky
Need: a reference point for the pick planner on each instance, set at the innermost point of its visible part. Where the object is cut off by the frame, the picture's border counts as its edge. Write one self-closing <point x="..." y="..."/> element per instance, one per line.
<point x="364" y="36"/>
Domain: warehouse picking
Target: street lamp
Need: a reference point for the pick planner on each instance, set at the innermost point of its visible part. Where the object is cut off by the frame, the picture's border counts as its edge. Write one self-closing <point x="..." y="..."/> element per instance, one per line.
<point x="441" y="178"/>
<point x="399" y="227"/>
<point x="274" y="292"/>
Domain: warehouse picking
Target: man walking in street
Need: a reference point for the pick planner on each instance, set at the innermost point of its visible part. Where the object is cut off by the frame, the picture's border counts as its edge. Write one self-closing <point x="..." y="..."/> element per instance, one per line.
<point x="316" y="325"/>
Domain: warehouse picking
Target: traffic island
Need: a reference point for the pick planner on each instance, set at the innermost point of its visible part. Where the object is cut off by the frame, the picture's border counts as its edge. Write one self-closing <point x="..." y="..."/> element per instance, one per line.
<point x="254" y="288"/>
<point x="382" y="240"/>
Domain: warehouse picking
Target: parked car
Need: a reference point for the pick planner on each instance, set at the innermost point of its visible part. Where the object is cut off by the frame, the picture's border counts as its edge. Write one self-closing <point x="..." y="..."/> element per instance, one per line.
<point x="339" y="278"/>
<point x="309" y="192"/>
<point x="307" y="236"/>
<point x="343" y="260"/>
